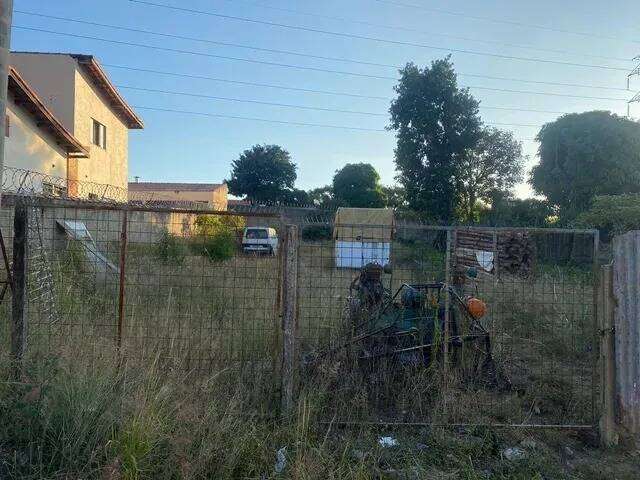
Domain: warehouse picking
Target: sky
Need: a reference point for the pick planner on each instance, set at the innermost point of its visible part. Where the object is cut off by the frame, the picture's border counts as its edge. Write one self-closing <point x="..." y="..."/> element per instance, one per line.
<point x="585" y="42"/>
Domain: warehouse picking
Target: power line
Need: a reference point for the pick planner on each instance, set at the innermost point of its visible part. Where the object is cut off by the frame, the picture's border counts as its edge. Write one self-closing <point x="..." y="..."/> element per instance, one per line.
<point x="250" y="84"/>
<point x="375" y="39"/>
<point x="284" y="65"/>
<point x="502" y="21"/>
<point x="244" y="100"/>
<point x="255" y="119"/>
<point x="308" y="107"/>
<point x="423" y="32"/>
<point x="283" y="122"/>
<point x="299" y="54"/>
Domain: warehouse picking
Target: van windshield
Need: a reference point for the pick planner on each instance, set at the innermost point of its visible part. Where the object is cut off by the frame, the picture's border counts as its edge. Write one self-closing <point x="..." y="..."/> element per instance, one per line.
<point x="257" y="234"/>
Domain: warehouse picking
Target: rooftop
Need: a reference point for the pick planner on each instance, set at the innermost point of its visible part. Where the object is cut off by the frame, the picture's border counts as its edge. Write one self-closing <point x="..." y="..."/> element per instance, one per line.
<point x="172" y="187"/>
<point x="100" y="79"/>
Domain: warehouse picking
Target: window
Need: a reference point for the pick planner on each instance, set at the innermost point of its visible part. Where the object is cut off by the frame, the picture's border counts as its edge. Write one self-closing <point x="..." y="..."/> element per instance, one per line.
<point x="257" y="233"/>
<point x="99" y="135"/>
<point x="7" y="126"/>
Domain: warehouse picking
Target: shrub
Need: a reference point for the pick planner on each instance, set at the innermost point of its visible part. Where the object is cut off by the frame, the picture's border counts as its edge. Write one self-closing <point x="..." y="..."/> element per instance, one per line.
<point x="170" y="248"/>
<point x="219" y="246"/>
<point x="612" y="214"/>
<point x="317" y="232"/>
<point x="208" y="225"/>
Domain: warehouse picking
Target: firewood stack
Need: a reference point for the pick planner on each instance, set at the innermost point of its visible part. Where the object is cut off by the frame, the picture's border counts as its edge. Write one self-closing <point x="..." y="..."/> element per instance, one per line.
<point x="516" y="251"/>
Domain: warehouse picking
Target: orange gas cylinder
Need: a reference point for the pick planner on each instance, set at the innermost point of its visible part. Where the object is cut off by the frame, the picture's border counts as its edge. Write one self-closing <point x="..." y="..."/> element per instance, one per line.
<point x="477" y="308"/>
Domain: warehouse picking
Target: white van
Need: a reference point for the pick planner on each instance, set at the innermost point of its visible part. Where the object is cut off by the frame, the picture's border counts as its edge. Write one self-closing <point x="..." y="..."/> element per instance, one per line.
<point x="260" y="240"/>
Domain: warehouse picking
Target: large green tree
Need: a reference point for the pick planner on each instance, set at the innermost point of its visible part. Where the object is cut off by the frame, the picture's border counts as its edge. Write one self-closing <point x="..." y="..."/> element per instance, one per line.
<point x="437" y="125"/>
<point x="493" y="165"/>
<point x="263" y="173"/>
<point x="357" y="185"/>
<point x="583" y="155"/>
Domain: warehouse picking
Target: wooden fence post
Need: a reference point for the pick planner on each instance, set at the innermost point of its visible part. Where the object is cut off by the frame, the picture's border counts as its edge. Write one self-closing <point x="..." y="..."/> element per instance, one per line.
<point x="19" y="296"/>
<point x="608" y="432"/>
<point x="289" y="317"/>
<point x="626" y="272"/>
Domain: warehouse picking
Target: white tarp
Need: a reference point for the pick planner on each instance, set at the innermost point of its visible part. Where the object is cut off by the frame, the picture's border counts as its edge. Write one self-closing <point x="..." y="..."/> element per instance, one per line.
<point x="485" y="260"/>
<point x="78" y="231"/>
<point x="358" y="254"/>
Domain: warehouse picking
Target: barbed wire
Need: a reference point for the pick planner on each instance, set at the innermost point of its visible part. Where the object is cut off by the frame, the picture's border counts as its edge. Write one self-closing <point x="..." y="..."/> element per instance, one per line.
<point x="30" y="183"/>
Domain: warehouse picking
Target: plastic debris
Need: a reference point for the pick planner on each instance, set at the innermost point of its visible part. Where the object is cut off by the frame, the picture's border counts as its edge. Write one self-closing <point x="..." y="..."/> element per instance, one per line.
<point x="387" y="442"/>
<point x="513" y="453"/>
<point x="281" y="460"/>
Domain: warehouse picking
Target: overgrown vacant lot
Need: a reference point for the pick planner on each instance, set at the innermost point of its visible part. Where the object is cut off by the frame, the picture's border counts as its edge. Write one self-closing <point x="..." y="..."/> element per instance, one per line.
<point x="100" y="420"/>
<point x="195" y="391"/>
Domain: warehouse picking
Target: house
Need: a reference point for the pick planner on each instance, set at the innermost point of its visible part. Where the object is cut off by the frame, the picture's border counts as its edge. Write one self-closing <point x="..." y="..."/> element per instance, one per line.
<point x="78" y="92"/>
<point x="213" y="195"/>
<point x="37" y="141"/>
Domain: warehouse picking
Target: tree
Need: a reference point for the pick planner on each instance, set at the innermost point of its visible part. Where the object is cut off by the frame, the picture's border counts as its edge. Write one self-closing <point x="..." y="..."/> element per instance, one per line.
<point x="395" y="197"/>
<point x="436" y="125"/>
<point x="494" y="165"/>
<point x="506" y="211"/>
<point x="357" y="185"/>
<point x="263" y="173"/>
<point x="321" y="197"/>
<point x="583" y="155"/>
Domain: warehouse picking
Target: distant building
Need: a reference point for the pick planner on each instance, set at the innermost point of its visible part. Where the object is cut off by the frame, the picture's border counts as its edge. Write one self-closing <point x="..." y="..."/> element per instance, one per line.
<point x="36" y="140"/>
<point x="79" y="93"/>
<point x="213" y="195"/>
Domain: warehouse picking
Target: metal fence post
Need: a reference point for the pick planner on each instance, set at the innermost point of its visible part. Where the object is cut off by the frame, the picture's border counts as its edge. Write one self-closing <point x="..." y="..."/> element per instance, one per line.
<point x="122" y="279"/>
<point x="289" y="316"/>
<point x="447" y="300"/>
<point x="19" y="323"/>
<point x="608" y="434"/>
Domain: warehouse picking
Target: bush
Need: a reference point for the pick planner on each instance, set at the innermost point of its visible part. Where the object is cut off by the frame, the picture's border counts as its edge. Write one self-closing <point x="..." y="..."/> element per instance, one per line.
<point x="317" y="232"/>
<point x="208" y="225"/>
<point x="219" y="246"/>
<point x="170" y="248"/>
<point x="612" y="214"/>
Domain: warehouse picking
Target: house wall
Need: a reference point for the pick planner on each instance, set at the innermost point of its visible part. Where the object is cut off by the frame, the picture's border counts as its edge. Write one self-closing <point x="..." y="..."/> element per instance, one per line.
<point x="52" y="77"/>
<point x="64" y="87"/>
<point x="214" y="198"/>
<point x="31" y="148"/>
<point x="105" y="166"/>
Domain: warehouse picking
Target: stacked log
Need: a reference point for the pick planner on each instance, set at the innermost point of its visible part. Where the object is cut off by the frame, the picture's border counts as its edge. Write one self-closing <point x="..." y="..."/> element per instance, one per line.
<point x="515" y="250"/>
<point x="516" y="253"/>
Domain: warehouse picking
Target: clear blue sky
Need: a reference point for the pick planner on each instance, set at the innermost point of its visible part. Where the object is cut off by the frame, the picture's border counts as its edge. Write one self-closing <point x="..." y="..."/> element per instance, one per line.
<point x="177" y="147"/>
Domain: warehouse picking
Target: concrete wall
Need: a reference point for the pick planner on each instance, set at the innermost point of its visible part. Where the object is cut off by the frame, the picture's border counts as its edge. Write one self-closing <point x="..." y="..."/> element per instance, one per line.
<point x="30" y="147"/>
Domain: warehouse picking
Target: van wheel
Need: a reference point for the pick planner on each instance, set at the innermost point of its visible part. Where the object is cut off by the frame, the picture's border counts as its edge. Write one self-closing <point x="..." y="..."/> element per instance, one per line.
<point x="271" y="252"/>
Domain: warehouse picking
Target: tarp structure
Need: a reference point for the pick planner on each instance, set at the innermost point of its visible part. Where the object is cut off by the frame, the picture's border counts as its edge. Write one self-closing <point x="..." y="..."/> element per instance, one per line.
<point x="363" y="235"/>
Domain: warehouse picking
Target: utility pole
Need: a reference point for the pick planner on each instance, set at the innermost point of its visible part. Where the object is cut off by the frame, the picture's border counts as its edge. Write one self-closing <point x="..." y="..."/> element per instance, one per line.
<point x="6" y="11"/>
<point x="636" y="97"/>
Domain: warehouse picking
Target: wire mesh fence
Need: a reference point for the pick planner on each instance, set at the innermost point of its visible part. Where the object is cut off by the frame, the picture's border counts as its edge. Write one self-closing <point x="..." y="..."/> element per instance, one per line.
<point x="450" y="325"/>
<point x="395" y="323"/>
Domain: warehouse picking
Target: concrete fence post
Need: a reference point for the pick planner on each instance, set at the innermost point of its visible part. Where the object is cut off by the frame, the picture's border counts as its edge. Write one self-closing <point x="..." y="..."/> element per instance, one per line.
<point x="626" y="297"/>
<point x="289" y="317"/>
